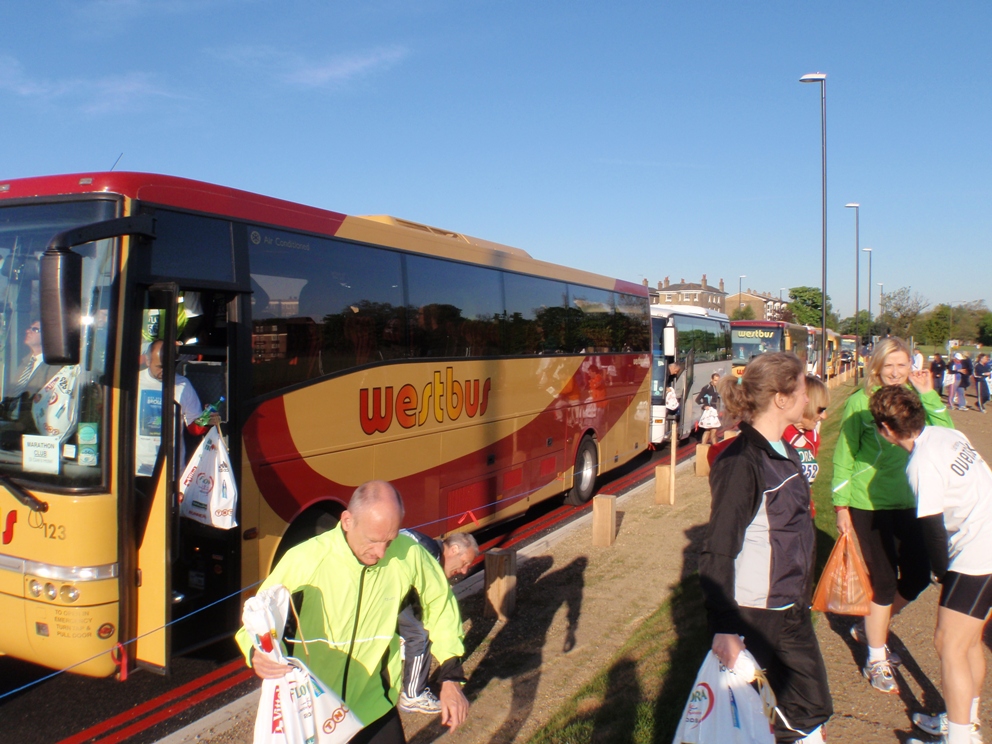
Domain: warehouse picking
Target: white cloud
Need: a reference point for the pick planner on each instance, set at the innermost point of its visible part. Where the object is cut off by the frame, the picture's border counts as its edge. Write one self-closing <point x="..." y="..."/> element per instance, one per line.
<point x="93" y="96"/>
<point x="344" y="68"/>
<point x="299" y="72"/>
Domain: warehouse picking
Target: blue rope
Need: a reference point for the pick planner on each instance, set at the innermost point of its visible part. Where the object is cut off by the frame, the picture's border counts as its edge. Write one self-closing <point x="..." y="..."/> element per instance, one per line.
<point x="56" y="673"/>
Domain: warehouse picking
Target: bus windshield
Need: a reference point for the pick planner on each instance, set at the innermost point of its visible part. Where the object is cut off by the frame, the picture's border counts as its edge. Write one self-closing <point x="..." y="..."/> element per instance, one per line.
<point x="51" y="416"/>
<point x="749" y="342"/>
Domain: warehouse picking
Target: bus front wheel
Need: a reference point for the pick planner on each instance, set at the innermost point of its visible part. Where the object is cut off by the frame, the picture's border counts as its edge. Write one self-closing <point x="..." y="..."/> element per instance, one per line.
<point x="584" y="474"/>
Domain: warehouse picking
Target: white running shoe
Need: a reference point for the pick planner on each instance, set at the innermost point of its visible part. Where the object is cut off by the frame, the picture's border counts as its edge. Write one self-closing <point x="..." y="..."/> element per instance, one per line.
<point x="425" y="702"/>
<point x="933" y="725"/>
<point x="858" y="634"/>
<point x="937" y="726"/>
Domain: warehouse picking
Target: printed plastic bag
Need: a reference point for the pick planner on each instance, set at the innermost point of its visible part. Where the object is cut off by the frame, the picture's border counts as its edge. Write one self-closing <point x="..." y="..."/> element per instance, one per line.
<point x="725" y="708"/>
<point x="207" y="492"/>
<point x="710" y="419"/>
<point x="844" y="588"/>
<point x="54" y="406"/>
<point x="298" y="708"/>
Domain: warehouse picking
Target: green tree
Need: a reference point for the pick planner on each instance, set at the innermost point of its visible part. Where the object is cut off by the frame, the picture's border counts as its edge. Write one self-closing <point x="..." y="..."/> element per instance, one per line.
<point x="807" y="307"/>
<point x="848" y="326"/>
<point x="743" y="312"/>
<point x="900" y="310"/>
<point x="985" y="329"/>
<point x="936" y="325"/>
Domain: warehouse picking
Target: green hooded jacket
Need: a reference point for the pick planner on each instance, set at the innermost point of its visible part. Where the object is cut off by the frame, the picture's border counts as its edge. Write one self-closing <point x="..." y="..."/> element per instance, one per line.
<point x="870" y="473"/>
<point x="349" y="613"/>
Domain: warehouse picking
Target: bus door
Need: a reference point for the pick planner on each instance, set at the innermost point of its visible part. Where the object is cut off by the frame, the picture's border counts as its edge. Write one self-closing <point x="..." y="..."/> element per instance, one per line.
<point x="185" y="568"/>
<point x="686" y="399"/>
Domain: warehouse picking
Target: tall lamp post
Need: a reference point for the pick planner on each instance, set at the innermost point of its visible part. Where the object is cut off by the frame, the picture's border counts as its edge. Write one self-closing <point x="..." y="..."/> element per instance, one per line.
<point x="740" y="292"/>
<point x="821" y="78"/>
<point x="950" y="325"/>
<point x="868" y="251"/>
<point x="857" y="283"/>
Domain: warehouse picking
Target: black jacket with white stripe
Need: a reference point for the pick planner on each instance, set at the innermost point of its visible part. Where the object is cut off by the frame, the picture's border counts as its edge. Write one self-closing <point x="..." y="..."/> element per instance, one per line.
<point x="760" y="542"/>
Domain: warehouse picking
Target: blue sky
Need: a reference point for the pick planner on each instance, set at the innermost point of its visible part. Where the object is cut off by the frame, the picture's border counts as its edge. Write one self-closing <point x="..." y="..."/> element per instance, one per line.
<point x="634" y="139"/>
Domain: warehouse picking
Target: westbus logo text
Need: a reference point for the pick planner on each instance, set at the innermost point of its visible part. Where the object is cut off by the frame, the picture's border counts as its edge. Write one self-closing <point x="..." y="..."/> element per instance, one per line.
<point x="438" y="399"/>
<point x="755" y="334"/>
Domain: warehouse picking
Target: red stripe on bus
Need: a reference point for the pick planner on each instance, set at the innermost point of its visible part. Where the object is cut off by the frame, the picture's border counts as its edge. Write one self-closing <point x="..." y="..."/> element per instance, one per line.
<point x="152" y="704"/>
<point x="179" y="707"/>
<point x="289" y="484"/>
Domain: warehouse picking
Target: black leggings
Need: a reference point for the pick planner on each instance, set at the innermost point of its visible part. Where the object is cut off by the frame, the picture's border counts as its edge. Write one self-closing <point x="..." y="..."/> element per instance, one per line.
<point x="386" y="730"/>
<point x="892" y="543"/>
<point x="784" y="645"/>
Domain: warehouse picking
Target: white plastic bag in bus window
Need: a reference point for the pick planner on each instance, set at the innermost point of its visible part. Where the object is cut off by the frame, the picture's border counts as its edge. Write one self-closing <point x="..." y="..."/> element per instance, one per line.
<point x="54" y="406"/>
<point x="725" y="708"/>
<point x="207" y="492"/>
<point x="298" y="708"/>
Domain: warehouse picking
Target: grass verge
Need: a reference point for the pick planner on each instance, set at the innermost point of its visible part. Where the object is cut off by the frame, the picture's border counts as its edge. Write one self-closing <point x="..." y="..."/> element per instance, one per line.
<point x="639" y="697"/>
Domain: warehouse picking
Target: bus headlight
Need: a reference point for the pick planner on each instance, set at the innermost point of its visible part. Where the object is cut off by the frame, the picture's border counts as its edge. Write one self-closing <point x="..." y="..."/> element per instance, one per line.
<point x="50" y="591"/>
<point x="69" y="593"/>
<point x="34" y="588"/>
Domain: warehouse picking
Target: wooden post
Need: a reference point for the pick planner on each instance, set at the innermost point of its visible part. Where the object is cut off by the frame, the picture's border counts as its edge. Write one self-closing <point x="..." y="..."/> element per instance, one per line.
<point x="730" y="433"/>
<point x="501" y="583"/>
<point x="673" y="443"/>
<point x="661" y="485"/>
<point x="604" y="521"/>
<point x="702" y="461"/>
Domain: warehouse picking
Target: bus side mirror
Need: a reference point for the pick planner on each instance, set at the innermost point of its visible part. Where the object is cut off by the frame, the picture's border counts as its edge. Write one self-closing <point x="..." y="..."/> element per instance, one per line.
<point x="62" y="283"/>
<point x="669" y="341"/>
<point x="61" y="305"/>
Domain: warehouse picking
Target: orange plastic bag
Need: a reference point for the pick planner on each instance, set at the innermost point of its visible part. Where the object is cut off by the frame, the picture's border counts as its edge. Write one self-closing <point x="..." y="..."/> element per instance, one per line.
<point x="844" y="588"/>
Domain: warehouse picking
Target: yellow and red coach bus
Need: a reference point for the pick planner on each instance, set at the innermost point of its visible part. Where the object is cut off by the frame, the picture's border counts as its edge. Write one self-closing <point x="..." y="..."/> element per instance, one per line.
<point x="749" y="338"/>
<point x="477" y="379"/>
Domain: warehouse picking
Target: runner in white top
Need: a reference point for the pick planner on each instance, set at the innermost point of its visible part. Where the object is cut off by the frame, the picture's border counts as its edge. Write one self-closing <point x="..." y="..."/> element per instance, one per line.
<point x="951" y="479"/>
<point x="953" y="487"/>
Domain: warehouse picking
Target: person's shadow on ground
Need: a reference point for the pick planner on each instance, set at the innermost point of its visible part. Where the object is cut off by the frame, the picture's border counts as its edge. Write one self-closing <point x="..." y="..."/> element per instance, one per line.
<point x="517" y="650"/>
<point x="690" y="645"/>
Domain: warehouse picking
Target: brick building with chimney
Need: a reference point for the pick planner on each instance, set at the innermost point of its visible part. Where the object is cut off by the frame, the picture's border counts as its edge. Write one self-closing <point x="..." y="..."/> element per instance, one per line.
<point x="702" y="294"/>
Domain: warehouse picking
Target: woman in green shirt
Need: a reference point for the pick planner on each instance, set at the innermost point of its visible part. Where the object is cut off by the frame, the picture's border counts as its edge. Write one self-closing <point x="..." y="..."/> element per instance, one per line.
<point x="872" y="497"/>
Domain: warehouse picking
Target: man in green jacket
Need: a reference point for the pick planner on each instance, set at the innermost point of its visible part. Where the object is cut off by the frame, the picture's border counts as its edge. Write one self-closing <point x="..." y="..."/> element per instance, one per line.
<point x="354" y="579"/>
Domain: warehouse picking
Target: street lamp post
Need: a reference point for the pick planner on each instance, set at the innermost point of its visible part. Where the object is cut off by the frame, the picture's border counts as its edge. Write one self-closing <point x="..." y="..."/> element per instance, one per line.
<point x="740" y="292"/>
<point x="881" y="299"/>
<point x="857" y="283"/>
<point x="868" y="251"/>
<point x="950" y="324"/>
<point x="821" y="78"/>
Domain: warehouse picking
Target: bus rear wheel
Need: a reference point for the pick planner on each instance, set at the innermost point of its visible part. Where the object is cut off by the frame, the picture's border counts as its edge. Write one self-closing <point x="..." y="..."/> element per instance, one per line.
<point x="584" y="474"/>
<point x="315" y="521"/>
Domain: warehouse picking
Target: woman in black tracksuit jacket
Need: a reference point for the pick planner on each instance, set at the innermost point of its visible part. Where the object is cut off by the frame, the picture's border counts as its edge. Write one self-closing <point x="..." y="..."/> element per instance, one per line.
<point x="756" y="566"/>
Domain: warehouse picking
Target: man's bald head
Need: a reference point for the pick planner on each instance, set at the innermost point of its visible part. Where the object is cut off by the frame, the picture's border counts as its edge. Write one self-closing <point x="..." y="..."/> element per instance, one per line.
<point x="154" y="360"/>
<point x="372" y="520"/>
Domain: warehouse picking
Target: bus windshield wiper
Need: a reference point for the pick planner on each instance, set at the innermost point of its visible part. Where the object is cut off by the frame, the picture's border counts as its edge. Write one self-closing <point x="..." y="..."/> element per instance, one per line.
<point x="23" y="495"/>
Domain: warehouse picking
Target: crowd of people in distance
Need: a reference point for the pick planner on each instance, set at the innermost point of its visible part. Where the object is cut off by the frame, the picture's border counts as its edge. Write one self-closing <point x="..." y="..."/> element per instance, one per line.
<point x="959" y="375"/>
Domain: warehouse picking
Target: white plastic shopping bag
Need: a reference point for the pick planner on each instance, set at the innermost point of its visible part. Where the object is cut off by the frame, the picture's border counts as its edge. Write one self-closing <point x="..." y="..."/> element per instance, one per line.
<point x="54" y="406"/>
<point x="298" y="708"/>
<point x="725" y="708"/>
<point x="710" y="419"/>
<point x="207" y="492"/>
